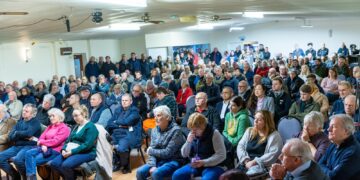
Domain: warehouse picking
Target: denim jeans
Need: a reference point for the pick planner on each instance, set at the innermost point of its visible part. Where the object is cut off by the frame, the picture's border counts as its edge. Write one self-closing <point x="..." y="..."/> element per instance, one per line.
<point x="18" y="152"/>
<point x="206" y="173"/>
<point x="34" y="158"/>
<point x="164" y="169"/>
<point x="65" y="166"/>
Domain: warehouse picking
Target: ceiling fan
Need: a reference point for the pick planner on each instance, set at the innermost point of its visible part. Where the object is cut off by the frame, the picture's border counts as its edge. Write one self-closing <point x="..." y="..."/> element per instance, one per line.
<point x="14" y="13"/>
<point x="146" y="19"/>
<point x="218" y="18"/>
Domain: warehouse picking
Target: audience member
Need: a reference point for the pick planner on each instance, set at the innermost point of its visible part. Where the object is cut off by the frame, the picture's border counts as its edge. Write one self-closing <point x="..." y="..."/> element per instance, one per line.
<point x="281" y="99"/>
<point x="100" y="113"/>
<point x="211" y="89"/>
<point x="313" y="135"/>
<point x="304" y="105"/>
<point x="79" y="147"/>
<point x="236" y="121"/>
<point x="6" y="124"/>
<point x="164" y="150"/>
<point x="259" y="101"/>
<point x="49" y="144"/>
<point x="223" y="107"/>
<point x="22" y="137"/>
<point x="341" y="158"/>
<point x="183" y="94"/>
<point x="261" y="145"/>
<point x="296" y="163"/>
<point x="125" y="130"/>
<point x="42" y="110"/>
<point x="14" y="105"/>
<point x="206" y="149"/>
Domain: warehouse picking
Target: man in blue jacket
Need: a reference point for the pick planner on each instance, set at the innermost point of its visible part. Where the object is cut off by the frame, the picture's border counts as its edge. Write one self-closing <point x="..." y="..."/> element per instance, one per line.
<point x="24" y="136"/>
<point x="341" y="160"/>
<point x="92" y="68"/>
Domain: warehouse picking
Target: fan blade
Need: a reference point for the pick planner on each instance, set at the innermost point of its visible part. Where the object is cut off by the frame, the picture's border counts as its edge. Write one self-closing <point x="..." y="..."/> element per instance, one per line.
<point x="14" y="13"/>
<point x="225" y="18"/>
<point x="137" y="21"/>
<point x="156" y="22"/>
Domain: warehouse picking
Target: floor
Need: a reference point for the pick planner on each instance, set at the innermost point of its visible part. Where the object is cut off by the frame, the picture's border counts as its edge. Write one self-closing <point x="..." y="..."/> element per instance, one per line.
<point x="136" y="161"/>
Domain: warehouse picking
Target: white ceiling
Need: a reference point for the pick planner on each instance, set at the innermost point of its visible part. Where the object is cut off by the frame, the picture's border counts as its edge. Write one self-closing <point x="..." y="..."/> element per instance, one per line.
<point x="166" y="10"/>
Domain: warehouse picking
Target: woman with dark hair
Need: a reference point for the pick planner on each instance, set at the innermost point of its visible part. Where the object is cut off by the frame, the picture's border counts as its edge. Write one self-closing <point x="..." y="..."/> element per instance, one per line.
<point x="259" y="101"/>
<point x="63" y="86"/>
<point x="261" y="145"/>
<point x="26" y="96"/>
<point x="236" y="121"/>
<point x="330" y="85"/>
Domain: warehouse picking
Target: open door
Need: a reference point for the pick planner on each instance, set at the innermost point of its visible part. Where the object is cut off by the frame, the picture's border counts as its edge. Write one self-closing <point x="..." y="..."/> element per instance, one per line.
<point x="79" y="65"/>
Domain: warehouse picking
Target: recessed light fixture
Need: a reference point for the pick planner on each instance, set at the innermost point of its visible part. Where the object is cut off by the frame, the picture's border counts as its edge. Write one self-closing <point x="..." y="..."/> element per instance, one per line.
<point x="253" y="14"/>
<point x="236" y="29"/>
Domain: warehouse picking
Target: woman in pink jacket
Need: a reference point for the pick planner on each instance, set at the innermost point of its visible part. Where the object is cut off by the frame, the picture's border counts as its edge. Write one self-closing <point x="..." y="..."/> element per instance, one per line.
<point x="49" y="143"/>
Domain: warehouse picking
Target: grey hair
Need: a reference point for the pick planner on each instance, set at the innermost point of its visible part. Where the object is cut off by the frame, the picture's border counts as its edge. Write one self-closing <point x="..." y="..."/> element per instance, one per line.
<point x="57" y="112"/>
<point x="128" y="95"/>
<point x="50" y="98"/>
<point x="315" y="117"/>
<point x="347" y="121"/>
<point x="33" y="109"/>
<point x="164" y="110"/>
<point x="299" y="148"/>
<point x="209" y="74"/>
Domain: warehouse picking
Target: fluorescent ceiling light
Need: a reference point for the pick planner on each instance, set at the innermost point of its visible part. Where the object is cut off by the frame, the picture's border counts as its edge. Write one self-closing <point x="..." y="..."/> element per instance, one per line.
<point x="236" y="29"/>
<point x="307" y="26"/>
<point x="253" y="14"/>
<point x="134" y="3"/>
<point x="201" y="27"/>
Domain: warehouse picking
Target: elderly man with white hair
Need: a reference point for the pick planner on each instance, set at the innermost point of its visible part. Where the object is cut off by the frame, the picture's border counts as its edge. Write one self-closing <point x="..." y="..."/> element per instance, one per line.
<point x="42" y="110"/>
<point x="296" y="163"/>
<point x="6" y="124"/>
<point x="14" y="105"/>
<point x="164" y="150"/>
<point x="342" y="158"/>
<point x="313" y="135"/>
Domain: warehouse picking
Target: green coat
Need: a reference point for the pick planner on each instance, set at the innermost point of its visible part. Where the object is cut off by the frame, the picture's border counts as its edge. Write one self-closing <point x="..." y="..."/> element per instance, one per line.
<point x="86" y="138"/>
<point x="241" y="123"/>
<point x="297" y="113"/>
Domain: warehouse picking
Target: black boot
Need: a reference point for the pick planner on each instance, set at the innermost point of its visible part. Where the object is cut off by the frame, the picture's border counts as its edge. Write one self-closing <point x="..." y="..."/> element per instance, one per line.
<point x="124" y="162"/>
<point x="116" y="162"/>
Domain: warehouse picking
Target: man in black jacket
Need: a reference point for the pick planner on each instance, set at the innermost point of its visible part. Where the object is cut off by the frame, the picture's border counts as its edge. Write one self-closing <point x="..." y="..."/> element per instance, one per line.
<point x="201" y="107"/>
<point x="282" y="99"/>
<point x="211" y="89"/>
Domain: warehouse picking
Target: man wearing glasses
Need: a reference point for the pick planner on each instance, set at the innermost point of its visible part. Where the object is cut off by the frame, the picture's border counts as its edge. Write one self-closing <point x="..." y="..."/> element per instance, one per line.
<point x="296" y="163"/>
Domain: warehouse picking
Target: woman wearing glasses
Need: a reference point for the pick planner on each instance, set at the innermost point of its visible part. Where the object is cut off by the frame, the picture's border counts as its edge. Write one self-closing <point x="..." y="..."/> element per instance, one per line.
<point x="49" y="143"/>
<point x="80" y="147"/>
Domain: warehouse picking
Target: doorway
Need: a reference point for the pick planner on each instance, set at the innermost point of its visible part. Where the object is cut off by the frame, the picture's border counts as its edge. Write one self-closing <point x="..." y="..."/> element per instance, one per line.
<point x="79" y="64"/>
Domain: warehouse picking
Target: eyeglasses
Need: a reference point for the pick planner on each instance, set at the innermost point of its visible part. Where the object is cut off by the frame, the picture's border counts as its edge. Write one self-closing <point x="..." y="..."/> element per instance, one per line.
<point x="76" y="115"/>
<point x="137" y="91"/>
<point x="51" y="116"/>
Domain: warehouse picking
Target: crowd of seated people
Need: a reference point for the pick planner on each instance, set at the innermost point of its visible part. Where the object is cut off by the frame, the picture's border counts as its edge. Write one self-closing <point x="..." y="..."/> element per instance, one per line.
<point x="55" y="123"/>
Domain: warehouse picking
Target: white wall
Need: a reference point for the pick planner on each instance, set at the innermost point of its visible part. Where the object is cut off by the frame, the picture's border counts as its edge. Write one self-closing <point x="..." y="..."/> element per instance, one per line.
<point x="280" y="37"/>
<point x="133" y="44"/>
<point x="46" y="59"/>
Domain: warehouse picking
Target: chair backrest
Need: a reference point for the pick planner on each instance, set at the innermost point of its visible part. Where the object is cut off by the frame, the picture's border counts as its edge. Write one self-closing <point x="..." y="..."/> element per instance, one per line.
<point x="288" y="127"/>
<point x="251" y="118"/>
<point x="190" y="102"/>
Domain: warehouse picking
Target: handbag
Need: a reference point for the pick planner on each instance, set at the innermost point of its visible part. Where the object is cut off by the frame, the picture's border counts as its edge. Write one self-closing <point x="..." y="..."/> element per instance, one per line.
<point x="70" y="146"/>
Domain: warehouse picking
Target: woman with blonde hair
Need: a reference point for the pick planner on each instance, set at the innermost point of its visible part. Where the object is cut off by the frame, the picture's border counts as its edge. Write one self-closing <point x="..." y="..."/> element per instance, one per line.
<point x="304" y="72"/>
<point x="261" y="145"/>
<point x="206" y="149"/>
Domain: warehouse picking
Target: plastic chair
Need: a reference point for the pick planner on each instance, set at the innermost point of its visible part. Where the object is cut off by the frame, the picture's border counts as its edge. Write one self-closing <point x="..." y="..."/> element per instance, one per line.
<point x="288" y="127"/>
<point x="190" y="103"/>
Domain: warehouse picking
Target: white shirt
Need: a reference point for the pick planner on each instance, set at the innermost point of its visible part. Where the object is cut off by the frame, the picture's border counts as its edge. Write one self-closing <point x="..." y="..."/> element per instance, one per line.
<point x="223" y="109"/>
